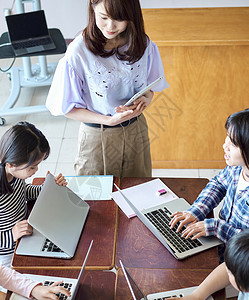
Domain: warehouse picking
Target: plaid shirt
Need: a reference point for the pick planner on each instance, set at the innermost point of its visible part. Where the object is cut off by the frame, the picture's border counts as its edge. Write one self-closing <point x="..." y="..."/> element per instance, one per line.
<point x="234" y="215"/>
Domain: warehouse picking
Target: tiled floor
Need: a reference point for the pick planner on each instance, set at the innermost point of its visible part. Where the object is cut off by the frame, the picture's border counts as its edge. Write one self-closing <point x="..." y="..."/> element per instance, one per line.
<point x="62" y="132"/>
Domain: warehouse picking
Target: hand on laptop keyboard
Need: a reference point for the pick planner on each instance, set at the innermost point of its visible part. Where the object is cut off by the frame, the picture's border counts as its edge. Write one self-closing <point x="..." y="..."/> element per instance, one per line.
<point x="194" y="230"/>
<point x="183" y="217"/>
<point x="49" y="291"/>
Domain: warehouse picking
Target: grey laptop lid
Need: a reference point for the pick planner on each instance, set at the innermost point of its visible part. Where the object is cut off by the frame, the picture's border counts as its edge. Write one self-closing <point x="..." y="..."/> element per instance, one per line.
<point x="29" y="29"/>
<point x="59" y="214"/>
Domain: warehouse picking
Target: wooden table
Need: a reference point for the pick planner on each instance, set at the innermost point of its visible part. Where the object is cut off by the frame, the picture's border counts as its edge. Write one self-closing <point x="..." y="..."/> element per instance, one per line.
<point x="96" y="284"/>
<point x="137" y="247"/>
<point x="117" y="237"/>
<point x="158" y="280"/>
<point x="100" y="226"/>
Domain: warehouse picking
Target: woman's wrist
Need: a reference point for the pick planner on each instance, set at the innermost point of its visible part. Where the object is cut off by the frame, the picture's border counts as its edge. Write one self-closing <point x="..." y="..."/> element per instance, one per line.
<point x="34" y="290"/>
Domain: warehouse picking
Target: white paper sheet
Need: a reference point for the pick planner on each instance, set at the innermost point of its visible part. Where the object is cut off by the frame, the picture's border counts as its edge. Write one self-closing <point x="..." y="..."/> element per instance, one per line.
<point x="143" y="196"/>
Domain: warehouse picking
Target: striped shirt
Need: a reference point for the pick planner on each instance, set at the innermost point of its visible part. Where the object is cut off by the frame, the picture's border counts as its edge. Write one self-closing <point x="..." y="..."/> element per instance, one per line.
<point x="234" y="215"/>
<point x="13" y="208"/>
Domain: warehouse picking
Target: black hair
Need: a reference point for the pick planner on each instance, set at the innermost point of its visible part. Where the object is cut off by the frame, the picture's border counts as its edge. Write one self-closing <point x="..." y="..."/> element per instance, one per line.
<point x="22" y="144"/>
<point x="237" y="126"/>
<point x="236" y="257"/>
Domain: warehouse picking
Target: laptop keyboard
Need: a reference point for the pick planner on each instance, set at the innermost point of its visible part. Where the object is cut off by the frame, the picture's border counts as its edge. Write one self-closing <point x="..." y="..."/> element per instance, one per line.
<point x="32" y="43"/>
<point x="66" y="285"/>
<point x="49" y="246"/>
<point x="160" y="219"/>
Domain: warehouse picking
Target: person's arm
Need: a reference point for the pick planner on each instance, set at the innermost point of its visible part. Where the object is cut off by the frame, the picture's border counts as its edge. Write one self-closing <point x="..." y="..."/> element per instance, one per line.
<point x="215" y="281"/>
<point x="210" y="197"/>
<point x="220" y="228"/>
<point x="6" y="239"/>
<point x="87" y="116"/>
<point x="32" y="191"/>
<point x="20" y="284"/>
<point x="16" y="282"/>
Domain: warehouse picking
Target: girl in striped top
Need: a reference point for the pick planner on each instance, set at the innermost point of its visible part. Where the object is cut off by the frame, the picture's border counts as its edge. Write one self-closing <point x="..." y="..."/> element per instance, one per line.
<point x="22" y="148"/>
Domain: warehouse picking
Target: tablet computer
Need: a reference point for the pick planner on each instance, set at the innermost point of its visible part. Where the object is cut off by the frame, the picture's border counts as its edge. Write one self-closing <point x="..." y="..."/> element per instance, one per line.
<point x="143" y="91"/>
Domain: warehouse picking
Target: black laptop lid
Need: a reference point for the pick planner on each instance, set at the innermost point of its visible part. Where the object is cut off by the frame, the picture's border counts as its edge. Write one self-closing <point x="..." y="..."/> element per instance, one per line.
<point x="27" y="25"/>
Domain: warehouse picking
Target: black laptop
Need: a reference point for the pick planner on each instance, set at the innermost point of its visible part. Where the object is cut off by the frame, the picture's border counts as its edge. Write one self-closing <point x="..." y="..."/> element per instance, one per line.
<point x="28" y="33"/>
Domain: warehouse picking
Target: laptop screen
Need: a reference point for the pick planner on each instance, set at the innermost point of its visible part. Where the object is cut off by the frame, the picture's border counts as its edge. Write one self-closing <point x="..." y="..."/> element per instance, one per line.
<point x="27" y="25"/>
<point x="135" y="290"/>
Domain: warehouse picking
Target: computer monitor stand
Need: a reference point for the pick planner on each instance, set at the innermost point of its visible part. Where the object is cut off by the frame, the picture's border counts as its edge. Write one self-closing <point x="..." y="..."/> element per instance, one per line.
<point x="29" y="75"/>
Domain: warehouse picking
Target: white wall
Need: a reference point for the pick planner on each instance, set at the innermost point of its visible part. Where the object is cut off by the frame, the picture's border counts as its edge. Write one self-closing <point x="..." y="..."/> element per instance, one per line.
<point x="71" y="16"/>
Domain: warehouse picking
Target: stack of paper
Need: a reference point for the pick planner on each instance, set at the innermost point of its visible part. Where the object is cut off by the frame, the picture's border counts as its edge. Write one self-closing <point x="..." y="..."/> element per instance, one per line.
<point x="143" y="196"/>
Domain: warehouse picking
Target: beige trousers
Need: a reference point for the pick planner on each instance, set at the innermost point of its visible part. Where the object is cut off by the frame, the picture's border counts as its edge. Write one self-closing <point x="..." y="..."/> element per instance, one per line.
<point x="118" y="151"/>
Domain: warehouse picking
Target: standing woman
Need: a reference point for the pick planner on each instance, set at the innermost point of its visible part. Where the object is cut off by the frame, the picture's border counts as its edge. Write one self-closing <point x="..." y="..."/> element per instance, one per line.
<point x="103" y="68"/>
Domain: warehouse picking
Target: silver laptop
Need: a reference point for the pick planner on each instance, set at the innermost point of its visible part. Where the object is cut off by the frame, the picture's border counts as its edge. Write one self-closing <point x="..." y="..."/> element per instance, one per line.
<point x="57" y="218"/>
<point x="137" y="293"/>
<point x="157" y="220"/>
<point x="69" y="283"/>
<point x="28" y="33"/>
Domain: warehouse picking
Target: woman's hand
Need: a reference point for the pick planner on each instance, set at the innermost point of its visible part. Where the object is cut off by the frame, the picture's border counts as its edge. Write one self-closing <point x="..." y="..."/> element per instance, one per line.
<point x="139" y="104"/>
<point x="182" y="217"/>
<point x="122" y="117"/>
<point x="60" y="180"/>
<point x="41" y="292"/>
<point x="195" y="230"/>
<point x="20" y="229"/>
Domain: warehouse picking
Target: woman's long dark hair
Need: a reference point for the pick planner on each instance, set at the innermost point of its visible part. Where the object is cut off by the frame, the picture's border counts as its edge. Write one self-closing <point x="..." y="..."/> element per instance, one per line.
<point x="237" y="126"/>
<point x="120" y="10"/>
<point x="22" y="144"/>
